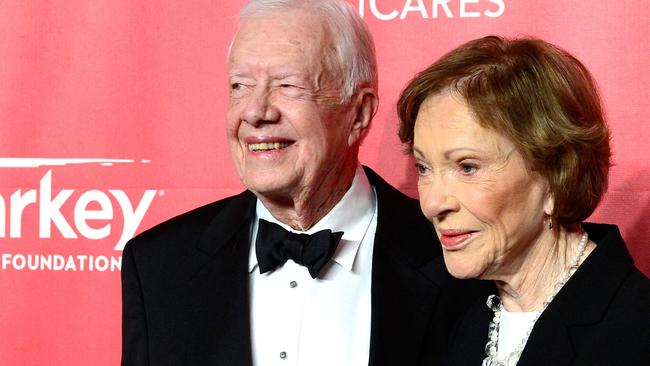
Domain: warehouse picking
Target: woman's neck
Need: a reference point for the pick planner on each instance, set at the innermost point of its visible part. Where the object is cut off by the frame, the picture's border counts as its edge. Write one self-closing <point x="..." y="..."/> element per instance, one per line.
<point x="542" y="266"/>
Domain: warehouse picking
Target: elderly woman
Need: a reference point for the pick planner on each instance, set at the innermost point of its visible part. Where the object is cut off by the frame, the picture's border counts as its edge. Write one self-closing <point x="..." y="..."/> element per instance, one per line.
<point x="513" y="154"/>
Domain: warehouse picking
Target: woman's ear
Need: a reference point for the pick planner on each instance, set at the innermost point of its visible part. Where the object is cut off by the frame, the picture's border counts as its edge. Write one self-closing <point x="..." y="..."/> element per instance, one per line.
<point x="364" y="103"/>
<point x="549" y="202"/>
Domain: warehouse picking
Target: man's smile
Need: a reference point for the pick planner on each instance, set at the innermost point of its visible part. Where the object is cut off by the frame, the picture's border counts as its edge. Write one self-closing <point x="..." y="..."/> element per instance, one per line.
<point x="266" y="146"/>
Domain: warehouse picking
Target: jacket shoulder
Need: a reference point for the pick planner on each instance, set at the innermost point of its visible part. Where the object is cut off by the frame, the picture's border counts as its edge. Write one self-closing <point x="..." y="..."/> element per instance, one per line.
<point x="187" y="227"/>
<point x="632" y="301"/>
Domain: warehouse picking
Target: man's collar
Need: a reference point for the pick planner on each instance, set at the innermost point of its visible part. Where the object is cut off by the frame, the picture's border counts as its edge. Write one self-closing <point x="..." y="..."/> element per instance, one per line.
<point x="352" y="215"/>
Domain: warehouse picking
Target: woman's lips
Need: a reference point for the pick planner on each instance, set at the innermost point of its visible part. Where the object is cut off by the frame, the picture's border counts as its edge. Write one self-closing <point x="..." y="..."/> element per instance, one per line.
<point x="454" y="238"/>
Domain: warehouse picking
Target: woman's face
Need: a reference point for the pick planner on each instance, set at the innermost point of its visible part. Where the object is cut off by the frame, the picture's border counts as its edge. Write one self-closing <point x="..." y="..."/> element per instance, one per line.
<point x="487" y="207"/>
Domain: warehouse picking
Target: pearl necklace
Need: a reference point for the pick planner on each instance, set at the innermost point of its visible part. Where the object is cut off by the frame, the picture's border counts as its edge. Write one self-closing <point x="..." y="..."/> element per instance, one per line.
<point x="494" y="303"/>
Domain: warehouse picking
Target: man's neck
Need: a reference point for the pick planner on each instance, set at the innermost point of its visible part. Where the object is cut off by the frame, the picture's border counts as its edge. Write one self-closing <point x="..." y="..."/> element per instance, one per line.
<point x="309" y="206"/>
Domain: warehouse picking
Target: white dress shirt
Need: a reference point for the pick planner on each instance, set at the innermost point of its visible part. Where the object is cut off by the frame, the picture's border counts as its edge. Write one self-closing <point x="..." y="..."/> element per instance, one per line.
<point x="300" y="321"/>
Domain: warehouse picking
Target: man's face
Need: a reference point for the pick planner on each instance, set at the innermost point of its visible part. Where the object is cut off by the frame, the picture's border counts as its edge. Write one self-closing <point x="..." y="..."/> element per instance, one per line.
<point x="286" y="127"/>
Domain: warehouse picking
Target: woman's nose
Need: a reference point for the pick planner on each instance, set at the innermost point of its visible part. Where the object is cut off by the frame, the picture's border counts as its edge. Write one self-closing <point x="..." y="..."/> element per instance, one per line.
<point x="436" y="200"/>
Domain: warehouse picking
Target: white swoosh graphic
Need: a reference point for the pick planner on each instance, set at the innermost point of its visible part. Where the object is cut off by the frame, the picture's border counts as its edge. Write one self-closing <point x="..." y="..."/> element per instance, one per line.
<point x="38" y="162"/>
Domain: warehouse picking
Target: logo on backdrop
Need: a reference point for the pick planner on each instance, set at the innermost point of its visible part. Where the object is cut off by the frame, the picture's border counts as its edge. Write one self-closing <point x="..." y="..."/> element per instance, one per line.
<point x="101" y="208"/>
<point x="433" y="9"/>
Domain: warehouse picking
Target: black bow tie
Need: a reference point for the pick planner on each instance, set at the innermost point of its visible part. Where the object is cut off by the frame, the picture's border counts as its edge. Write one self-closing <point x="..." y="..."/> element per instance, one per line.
<point x="274" y="245"/>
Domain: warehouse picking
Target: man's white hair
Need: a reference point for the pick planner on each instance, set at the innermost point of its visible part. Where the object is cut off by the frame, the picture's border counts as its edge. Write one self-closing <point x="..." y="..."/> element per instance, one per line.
<point x="353" y="44"/>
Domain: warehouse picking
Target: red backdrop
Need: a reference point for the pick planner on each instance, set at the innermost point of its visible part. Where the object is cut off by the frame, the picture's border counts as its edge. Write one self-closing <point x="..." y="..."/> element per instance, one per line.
<point x="113" y="120"/>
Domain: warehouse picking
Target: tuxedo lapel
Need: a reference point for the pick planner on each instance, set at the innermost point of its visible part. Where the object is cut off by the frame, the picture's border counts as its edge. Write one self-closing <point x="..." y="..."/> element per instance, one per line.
<point x="220" y="286"/>
<point x="403" y="298"/>
<point x="225" y="226"/>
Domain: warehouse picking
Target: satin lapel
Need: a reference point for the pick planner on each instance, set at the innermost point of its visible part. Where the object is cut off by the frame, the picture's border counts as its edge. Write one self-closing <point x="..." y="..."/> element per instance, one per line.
<point x="402" y="298"/>
<point x="220" y="294"/>
<point x="228" y="223"/>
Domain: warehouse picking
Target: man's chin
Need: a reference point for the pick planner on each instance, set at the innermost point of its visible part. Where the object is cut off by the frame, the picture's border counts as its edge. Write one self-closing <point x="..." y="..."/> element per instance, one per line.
<point x="270" y="186"/>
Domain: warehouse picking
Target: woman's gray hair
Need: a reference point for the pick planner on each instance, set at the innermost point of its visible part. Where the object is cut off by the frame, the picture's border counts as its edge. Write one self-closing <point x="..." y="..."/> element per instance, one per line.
<point x="354" y="48"/>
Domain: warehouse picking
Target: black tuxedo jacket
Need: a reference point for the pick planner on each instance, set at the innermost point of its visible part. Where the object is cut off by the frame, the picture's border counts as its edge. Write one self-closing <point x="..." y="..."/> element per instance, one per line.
<point x="600" y="317"/>
<point x="185" y="287"/>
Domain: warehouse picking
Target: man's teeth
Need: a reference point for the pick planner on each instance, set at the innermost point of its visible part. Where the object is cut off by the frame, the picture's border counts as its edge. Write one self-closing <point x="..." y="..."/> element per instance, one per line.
<point x="263" y="146"/>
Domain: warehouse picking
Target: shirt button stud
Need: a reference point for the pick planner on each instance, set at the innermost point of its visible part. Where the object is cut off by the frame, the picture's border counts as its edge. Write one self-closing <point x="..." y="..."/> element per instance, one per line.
<point x="283" y="355"/>
<point x="293" y="284"/>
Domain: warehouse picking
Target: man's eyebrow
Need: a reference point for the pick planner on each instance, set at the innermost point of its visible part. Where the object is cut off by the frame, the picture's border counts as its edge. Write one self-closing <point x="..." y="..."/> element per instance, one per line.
<point x="236" y="73"/>
<point x="287" y="74"/>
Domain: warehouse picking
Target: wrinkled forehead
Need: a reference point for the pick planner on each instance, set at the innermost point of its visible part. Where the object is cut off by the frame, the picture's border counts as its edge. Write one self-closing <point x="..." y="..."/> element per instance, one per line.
<point x="306" y="31"/>
<point x="292" y="34"/>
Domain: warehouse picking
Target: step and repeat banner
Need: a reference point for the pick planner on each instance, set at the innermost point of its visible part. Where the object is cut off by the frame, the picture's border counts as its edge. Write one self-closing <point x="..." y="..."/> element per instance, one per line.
<point x="112" y="120"/>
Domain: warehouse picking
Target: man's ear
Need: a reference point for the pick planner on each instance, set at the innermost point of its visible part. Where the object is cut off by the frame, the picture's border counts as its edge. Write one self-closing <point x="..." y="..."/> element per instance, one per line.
<point x="364" y="104"/>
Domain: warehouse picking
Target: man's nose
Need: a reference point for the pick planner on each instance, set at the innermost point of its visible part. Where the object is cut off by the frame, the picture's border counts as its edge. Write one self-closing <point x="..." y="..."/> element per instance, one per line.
<point x="260" y="108"/>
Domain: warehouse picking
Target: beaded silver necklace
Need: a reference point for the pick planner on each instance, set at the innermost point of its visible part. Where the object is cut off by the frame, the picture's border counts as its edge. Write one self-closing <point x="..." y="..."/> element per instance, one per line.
<point x="494" y="303"/>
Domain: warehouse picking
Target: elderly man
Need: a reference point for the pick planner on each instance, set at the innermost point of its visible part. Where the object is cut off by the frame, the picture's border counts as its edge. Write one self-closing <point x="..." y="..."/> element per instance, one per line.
<point x="319" y="262"/>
